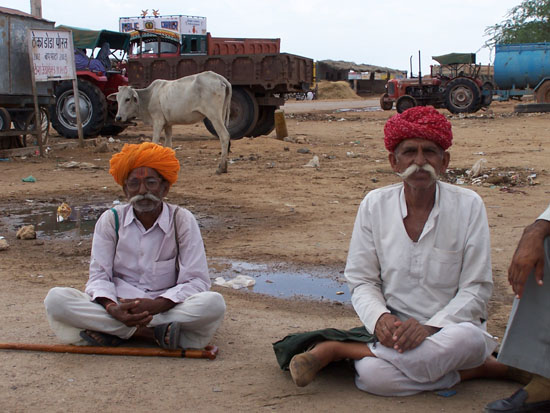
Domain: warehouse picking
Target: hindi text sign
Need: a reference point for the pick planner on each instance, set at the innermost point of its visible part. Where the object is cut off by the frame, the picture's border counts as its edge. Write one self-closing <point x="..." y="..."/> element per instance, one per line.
<point x="52" y="55"/>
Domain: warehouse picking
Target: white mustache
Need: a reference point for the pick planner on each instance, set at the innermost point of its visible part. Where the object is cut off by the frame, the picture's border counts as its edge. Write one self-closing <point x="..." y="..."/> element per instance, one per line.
<point x="415" y="168"/>
<point x="135" y="199"/>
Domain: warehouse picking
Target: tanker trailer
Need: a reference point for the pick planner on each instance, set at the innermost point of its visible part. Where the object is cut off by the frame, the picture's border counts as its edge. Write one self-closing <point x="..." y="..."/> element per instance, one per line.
<point x="523" y="69"/>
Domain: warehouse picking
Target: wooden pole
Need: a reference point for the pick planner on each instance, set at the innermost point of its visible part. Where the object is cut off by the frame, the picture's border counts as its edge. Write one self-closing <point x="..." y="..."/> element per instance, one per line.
<point x="37" y="123"/>
<point x="209" y="352"/>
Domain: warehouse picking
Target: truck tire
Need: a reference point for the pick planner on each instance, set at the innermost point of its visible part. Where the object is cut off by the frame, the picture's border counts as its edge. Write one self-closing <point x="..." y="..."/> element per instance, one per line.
<point x="26" y="122"/>
<point x="243" y="116"/>
<point x="266" y="121"/>
<point x="405" y="102"/>
<point x="542" y="95"/>
<point x="462" y="95"/>
<point x="93" y="109"/>
<point x="5" y="120"/>
<point x="384" y="104"/>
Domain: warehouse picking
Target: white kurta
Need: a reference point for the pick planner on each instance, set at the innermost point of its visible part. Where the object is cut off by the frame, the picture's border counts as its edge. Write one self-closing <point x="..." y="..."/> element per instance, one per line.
<point x="441" y="280"/>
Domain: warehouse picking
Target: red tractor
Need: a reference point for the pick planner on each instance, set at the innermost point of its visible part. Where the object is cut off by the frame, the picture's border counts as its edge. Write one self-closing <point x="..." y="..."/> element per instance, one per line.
<point x="455" y="85"/>
<point x="96" y="112"/>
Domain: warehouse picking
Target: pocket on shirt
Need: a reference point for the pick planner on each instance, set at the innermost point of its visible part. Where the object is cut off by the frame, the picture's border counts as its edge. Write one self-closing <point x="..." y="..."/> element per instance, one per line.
<point x="444" y="268"/>
<point x="163" y="274"/>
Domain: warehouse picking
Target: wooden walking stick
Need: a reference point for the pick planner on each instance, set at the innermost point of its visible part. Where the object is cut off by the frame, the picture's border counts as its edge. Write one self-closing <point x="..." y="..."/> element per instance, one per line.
<point x="209" y="352"/>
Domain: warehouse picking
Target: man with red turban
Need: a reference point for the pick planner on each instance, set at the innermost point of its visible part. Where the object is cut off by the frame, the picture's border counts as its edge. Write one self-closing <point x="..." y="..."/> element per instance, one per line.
<point x="148" y="272"/>
<point x="419" y="271"/>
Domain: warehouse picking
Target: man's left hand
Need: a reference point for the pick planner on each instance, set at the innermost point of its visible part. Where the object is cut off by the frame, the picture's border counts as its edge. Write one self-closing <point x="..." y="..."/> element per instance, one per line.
<point x="156" y="306"/>
<point x="410" y="334"/>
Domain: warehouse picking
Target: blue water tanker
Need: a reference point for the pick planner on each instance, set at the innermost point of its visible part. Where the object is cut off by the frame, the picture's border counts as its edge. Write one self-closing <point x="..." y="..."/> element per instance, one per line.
<point x="521" y="69"/>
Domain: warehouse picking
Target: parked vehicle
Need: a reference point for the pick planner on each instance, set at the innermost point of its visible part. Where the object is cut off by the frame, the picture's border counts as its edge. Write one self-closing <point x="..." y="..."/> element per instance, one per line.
<point x="259" y="74"/>
<point x="455" y="85"/>
<point x="17" y="113"/>
<point x="523" y="69"/>
<point x="97" y="114"/>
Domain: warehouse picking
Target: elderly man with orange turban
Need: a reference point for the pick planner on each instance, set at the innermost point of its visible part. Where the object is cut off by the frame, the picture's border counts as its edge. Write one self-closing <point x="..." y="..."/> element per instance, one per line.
<point x="419" y="271"/>
<point x="148" y="272"/>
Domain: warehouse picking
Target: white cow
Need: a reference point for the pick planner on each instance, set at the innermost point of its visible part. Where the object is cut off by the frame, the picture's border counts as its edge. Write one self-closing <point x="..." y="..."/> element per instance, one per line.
<point x="175" y="102"/>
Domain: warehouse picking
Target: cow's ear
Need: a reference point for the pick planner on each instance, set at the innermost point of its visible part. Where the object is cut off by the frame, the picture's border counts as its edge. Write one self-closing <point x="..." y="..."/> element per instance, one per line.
<point x="112" y="97"/>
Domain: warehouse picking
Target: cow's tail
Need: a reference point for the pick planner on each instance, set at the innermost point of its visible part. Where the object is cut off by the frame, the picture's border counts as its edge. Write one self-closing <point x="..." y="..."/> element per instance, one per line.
<point x="227" y="102"/>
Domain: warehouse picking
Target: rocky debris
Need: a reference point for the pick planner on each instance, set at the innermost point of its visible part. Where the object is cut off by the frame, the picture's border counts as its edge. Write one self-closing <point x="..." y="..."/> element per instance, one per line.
<point x="313" y="163"/>
<point x="3" y="244"/>
<point x="303" y="150"/>
<point x="26" y="232"/>
<point x="78" y="165"/>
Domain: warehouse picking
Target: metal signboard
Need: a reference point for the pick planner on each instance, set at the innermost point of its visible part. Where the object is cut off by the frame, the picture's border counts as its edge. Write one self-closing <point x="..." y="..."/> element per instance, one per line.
<point x="52" y="55"/>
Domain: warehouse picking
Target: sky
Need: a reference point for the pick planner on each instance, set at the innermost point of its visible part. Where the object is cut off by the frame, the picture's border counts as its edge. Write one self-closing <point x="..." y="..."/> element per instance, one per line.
<point x="382" y="33"/>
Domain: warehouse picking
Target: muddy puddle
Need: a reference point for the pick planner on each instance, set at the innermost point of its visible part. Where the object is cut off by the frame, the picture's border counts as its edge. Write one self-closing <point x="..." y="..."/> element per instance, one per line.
<point x="48" y="225"/>
<point x="286" y="281"/>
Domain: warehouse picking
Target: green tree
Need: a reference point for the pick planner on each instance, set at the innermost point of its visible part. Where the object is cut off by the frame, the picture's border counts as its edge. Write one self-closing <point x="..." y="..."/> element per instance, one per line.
<point x="527" y="22"/>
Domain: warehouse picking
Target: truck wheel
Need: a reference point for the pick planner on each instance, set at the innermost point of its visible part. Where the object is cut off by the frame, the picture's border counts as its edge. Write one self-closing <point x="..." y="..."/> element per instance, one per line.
<point x="542" y="95"/>
<point x="266" y="121"/>
<point x="26" y="122"/>
<point x="462" y="95"/>
<point x="5" y="119"/>
<point x="243" y="116"/>
<point x="405" y="102"/>
<point x="384" y="104"/>
<point x="93" y="109"/>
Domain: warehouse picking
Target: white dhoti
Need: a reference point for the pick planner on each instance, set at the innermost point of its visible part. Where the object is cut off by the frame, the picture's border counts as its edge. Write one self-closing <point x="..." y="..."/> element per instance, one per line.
<point x="70" y="311"/>
<point x="433" y="365"/>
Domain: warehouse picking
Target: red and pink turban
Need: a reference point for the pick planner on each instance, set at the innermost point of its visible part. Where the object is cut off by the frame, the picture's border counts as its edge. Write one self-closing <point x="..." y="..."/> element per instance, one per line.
<point x="148" y="154"/>
<point x="418" y="122"/>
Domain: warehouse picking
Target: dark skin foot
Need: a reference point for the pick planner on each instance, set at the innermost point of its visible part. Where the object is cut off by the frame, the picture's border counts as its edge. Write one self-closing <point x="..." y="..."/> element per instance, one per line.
<point x="147" y="334"/>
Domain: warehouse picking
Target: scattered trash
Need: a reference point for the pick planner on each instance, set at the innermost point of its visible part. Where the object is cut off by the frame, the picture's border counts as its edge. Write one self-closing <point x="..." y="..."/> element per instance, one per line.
<point x="240" y="281"/>
<point x="216" y="389"/>
<point x="3" y="244"/>
<point x="29" y="178"/>
<point x="493" y="177"/>
<point x="4" y="159"/>
<point x="63" y="212"/>
<point x="26" y="232"/>
<point x="313" y="163"/>
<point x="340" y="293"/>
<point x="477" y="168"/>
<point x="81" y="165"/>
<point x="111" y="140"/>
<point x="352" y="155"/>
<point x="303" y="150"/>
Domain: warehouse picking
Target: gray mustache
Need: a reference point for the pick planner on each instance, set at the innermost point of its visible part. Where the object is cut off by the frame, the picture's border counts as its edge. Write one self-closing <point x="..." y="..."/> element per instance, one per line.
<point x="415" y="168"/>
<point x="148" y="196"/>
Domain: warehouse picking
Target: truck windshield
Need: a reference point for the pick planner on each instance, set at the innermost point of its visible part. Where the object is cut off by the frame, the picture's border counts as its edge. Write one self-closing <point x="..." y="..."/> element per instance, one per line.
<point x="151" y="47"/>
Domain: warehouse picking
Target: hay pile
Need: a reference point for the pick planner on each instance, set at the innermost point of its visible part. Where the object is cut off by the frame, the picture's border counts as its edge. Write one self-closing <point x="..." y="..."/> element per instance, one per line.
<point x="335" y="90"/>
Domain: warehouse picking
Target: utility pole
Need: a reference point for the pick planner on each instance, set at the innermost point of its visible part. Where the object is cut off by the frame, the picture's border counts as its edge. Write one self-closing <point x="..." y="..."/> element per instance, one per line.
<point x="36" y="8"/>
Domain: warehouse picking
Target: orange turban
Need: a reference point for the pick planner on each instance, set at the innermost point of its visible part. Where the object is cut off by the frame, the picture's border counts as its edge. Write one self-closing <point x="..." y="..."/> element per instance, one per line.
<point x="147" y="154"/>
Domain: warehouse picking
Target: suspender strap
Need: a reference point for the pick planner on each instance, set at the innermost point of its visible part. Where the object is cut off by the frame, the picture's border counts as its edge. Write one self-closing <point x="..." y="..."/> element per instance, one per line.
<point x="117" y="224"/>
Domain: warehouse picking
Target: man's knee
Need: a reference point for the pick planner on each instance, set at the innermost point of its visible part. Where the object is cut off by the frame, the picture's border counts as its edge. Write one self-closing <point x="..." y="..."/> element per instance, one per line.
<point x="214" y="305"/>
<point x="375" y="376"/>
<point x="55" y="300"/>
<point x="470" y="338"/>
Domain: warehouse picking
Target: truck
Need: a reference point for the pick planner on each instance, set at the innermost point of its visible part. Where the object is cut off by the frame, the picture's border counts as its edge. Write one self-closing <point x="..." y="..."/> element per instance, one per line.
<point x="17" y="111"/>
<point x="523" y="69"/>
<point x="456" y="84"/>
<point x="162" y="47"/>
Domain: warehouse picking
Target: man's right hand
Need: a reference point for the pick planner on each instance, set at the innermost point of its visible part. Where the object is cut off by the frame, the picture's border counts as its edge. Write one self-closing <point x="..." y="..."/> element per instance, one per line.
<point x="529" y="254"/>
<point x="385" y="328"/>
<point x="122" y="312"/>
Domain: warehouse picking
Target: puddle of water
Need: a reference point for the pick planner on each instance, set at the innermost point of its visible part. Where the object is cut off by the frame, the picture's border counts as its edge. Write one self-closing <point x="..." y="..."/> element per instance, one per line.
<point x="316" y="283"/>
<point x="80" y="223"/>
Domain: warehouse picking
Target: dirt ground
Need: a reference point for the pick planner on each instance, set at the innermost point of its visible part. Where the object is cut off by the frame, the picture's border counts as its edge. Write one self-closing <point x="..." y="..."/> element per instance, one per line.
<point x="268" y="209"/>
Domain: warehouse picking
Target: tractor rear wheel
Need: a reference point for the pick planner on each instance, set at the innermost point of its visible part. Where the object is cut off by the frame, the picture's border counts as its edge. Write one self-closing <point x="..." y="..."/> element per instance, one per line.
<point x="462" y="95"/>
<point x="385" y="104"/>
<point x="405" y="102"/>
<point x="93" y="109"/>
<point x="542" y="94"/>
